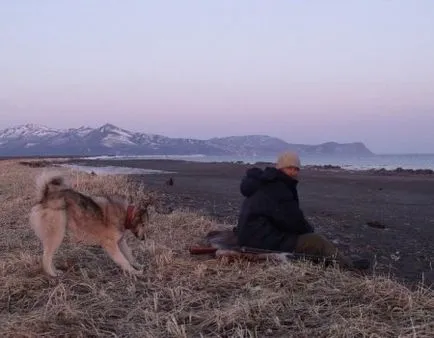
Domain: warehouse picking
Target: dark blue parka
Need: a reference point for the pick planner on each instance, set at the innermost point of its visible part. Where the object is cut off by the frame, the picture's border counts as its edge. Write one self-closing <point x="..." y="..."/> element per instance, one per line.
<point x="270" y="216"/>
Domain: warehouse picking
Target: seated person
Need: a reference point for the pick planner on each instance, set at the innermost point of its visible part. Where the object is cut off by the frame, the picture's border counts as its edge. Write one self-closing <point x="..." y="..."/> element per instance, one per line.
<point x="271" y="218"/>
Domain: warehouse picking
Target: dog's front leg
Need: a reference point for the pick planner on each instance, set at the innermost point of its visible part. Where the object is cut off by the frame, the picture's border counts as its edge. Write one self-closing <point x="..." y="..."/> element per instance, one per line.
<point x="113" y="250"/>
<point x="126" y="250"/>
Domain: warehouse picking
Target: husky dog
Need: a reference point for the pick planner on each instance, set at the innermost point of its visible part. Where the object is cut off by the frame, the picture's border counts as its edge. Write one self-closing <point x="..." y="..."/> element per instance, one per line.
<point x="94" y="220"/>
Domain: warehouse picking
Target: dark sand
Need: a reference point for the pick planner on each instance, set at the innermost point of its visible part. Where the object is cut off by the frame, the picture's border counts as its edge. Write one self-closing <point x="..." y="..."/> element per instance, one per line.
<point x="338" y="203"/>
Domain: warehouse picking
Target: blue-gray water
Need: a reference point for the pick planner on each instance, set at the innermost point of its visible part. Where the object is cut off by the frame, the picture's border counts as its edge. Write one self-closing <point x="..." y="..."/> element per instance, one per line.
<point x="390" y="162"/>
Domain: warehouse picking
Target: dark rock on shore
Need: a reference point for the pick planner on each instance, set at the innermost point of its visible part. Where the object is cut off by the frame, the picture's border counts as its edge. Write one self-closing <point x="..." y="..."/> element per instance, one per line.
<point x="263" y="164"/>
<point x="325" y="167"/>
<point x="399" y="170"/>
<point x="36" y="164"/>
<point x="376" y="224"/>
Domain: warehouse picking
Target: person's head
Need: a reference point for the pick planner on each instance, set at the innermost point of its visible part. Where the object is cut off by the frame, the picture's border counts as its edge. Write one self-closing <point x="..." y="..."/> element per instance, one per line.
<point x="289" y="163"/>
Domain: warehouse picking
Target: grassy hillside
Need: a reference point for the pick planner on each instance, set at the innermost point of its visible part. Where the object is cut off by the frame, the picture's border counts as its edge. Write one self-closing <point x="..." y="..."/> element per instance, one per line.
<point x="180" y="295"/>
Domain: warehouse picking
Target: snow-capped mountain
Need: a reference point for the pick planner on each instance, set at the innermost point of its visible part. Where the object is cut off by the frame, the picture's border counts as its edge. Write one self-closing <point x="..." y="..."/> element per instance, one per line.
<point x="37" y="140"/>
<point x="28" y="131"/>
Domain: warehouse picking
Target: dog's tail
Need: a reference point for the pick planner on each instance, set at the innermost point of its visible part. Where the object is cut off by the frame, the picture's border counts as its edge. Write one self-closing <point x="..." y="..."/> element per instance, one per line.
<point x="48" y="182"/>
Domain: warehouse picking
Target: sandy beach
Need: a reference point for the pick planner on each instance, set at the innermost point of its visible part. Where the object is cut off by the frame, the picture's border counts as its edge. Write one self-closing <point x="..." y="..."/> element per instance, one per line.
<point x="339" y="203"/>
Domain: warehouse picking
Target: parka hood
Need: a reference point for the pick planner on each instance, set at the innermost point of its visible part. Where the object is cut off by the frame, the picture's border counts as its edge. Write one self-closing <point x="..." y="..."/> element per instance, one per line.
<point x="256" y="177"/>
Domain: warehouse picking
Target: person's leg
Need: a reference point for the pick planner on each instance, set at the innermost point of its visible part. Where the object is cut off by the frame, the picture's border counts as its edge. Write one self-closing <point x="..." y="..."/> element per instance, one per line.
<point x="318" y="246"/>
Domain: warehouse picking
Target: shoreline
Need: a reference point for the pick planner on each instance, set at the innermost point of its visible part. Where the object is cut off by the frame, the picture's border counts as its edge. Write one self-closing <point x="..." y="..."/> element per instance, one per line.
<point x="384" y="164"/>
<point x="42" y="161"/>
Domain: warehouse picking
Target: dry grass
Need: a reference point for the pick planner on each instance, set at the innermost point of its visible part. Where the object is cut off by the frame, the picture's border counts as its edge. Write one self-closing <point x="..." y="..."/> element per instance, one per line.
<point x="179" y="295"/>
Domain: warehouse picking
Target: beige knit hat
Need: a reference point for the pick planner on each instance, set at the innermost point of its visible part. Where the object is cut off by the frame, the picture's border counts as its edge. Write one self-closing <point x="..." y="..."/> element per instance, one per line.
<point x="288" y="159"/>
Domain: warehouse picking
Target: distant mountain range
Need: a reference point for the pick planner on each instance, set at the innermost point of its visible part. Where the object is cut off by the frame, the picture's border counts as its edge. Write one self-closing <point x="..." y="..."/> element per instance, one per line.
<point x="37" y="140"/>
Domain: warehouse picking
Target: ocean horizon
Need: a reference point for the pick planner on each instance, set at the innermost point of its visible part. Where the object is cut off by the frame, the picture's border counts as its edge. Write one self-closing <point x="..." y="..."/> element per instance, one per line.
<point x="386" y="161"/>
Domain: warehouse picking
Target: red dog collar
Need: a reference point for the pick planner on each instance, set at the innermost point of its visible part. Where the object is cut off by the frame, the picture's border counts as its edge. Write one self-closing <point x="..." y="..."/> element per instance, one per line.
<point x="130" y="216"/>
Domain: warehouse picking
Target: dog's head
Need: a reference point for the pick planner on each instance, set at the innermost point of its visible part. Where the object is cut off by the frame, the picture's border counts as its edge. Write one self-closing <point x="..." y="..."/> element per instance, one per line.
<point x="138" y="221"/>
<point x="138" y="217"/>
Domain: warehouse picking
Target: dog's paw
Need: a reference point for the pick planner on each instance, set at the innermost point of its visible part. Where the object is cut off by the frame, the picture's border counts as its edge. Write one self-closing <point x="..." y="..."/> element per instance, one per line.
<point x="55" y="273"/>
<point x="138" y="266"/>
<point x="132" y="272"/>
<point x="137" y="272"/>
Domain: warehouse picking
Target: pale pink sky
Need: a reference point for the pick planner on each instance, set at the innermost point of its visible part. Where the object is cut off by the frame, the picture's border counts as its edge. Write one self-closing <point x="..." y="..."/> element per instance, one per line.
<point x="307" y="72"/>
